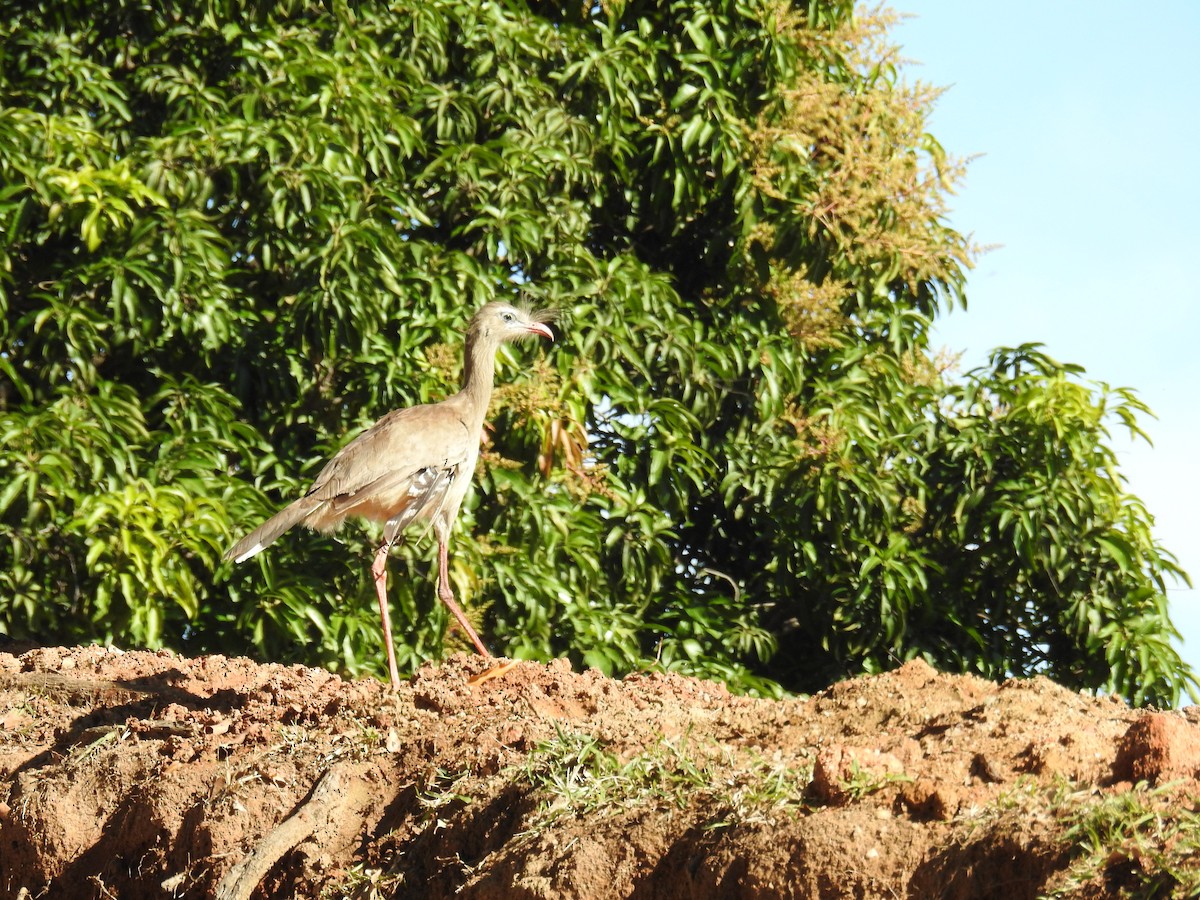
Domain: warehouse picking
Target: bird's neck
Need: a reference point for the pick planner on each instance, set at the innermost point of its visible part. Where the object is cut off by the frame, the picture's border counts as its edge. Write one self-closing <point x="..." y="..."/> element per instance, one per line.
<point x="479" y="369"/>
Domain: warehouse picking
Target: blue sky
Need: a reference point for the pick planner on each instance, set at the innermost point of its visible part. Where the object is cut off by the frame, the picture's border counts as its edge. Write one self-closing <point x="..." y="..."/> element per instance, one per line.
<point x="1088" y="119"/>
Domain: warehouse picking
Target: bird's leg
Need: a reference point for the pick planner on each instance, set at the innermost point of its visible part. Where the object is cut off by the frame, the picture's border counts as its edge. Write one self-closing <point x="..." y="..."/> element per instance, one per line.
<point x="379" y="571"/>
<point x="447" y="596"/>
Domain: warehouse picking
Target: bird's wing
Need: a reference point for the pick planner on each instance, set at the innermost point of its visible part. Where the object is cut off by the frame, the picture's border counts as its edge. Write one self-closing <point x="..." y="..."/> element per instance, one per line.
<point x="398" y="497"/>
<point x="388" y="458"/>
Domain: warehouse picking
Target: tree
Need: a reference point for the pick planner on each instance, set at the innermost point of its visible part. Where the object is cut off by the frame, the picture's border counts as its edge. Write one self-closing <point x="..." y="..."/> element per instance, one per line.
<point x="238" y="232"/>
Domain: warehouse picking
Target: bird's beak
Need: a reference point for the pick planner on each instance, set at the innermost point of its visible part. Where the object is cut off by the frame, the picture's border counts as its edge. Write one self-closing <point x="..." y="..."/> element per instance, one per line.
<point x="543" y="330"/>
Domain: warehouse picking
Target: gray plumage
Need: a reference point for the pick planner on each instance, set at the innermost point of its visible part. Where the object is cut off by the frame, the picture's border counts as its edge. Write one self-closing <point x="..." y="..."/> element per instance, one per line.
<point x="412" y="465"/>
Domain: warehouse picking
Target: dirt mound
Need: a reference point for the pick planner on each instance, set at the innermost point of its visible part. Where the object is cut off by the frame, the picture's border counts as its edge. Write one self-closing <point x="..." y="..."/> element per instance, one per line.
<point x="149" y="775"/>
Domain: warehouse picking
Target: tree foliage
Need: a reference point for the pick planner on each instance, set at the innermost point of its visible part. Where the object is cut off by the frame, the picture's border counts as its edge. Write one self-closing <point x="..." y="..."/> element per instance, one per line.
<point x="235" y="233"/>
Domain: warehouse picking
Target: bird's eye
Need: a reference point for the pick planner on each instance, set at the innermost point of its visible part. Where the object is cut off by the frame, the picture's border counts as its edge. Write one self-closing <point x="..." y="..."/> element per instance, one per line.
<point x="507" y="317"/>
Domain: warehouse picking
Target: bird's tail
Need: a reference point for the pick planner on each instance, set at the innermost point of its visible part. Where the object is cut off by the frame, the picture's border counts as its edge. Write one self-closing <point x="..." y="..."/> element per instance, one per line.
<point x="266" y="533"/>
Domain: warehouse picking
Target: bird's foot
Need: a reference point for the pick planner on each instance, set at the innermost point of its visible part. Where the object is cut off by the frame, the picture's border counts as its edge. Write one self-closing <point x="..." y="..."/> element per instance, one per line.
<point x="495" y="671"/>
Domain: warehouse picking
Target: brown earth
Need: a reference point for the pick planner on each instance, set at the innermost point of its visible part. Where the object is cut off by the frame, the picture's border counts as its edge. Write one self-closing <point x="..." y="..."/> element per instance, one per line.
<point x="144" y="774"/>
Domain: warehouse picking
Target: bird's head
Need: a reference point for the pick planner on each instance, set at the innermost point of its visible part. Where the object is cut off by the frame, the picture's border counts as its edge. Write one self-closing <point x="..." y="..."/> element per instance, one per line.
<point x="504" y="322"/>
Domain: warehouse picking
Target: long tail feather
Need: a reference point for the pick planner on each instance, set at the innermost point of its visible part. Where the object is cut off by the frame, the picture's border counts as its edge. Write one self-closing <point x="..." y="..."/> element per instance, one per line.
<point x="266" y="533"/>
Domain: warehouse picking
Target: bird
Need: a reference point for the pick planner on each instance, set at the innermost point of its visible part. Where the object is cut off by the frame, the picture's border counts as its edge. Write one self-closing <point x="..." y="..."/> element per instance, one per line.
<point x="413" y="465"/>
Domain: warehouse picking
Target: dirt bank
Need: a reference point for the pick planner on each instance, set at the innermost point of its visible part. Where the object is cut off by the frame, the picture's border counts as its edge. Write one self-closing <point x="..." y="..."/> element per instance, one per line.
<point x="150" y="775"/>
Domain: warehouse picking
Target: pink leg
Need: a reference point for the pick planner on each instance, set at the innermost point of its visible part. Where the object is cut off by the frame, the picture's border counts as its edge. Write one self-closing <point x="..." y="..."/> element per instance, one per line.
<point x="379" y="570"/>
<point x="447" y="597"/>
